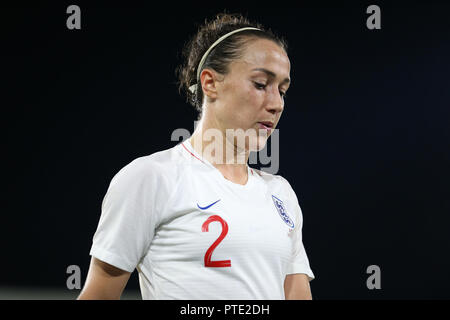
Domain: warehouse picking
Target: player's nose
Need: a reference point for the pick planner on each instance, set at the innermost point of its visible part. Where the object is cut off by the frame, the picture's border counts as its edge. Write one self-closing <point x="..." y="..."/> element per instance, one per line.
<point x="275" y="102"/>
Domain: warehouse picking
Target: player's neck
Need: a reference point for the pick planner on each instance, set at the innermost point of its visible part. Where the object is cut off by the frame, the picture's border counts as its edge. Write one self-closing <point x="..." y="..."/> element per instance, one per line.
<point x="214" y="147"/>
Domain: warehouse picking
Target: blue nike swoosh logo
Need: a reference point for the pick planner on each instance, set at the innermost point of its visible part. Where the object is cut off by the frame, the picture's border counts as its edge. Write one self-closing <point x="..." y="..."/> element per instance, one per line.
<point x="204" y="208"/>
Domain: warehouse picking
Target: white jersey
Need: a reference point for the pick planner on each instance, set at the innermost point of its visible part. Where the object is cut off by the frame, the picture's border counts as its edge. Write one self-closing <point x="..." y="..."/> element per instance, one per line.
<point x="192" y="234"/>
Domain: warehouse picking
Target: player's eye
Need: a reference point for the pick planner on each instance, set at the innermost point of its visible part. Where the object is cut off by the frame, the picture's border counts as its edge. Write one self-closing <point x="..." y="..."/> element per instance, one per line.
<point x="259" y="86"/>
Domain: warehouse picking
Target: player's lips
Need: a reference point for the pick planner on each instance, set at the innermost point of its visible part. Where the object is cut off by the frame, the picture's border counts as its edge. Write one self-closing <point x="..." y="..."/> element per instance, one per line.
<point x="268" y="125"/>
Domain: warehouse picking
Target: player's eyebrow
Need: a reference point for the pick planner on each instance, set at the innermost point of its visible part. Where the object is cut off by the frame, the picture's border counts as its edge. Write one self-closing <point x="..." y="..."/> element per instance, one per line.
<point x="271" y="74"/>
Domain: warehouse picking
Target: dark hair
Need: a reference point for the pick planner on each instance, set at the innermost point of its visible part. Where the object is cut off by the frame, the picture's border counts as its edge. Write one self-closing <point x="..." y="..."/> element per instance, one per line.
<point x="222" y="55"/>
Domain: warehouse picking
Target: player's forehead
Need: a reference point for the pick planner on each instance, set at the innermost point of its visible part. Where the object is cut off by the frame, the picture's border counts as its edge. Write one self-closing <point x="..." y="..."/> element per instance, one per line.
<point x="264" y="54"/>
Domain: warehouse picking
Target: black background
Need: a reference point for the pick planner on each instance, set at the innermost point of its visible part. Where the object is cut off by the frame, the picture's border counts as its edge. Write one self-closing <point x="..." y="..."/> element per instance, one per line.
<point x="365" y="137"/>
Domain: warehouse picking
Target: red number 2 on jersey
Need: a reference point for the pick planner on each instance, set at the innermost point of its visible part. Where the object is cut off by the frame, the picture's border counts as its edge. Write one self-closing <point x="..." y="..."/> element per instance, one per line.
<point x="208" y="262"/>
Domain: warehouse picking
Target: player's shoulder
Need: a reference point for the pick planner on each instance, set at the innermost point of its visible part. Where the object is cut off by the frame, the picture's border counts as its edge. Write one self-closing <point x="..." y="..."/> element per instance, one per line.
<point x="153" y="165"/>
<point x="273" y="179"/>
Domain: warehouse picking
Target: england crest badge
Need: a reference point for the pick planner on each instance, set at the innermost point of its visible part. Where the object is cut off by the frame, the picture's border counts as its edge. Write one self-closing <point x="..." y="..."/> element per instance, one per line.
<point x="282" y="211"/>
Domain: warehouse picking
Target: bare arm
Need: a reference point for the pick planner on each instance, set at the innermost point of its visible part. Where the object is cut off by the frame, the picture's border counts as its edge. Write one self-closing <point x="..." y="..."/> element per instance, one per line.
<point x="296" y="287"/>
<point x="104" y="282"/>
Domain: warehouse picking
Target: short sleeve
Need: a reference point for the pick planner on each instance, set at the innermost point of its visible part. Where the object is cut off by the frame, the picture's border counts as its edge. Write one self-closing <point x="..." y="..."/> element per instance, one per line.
<point x="299" y="262"/>
<point x="128" y="218"/>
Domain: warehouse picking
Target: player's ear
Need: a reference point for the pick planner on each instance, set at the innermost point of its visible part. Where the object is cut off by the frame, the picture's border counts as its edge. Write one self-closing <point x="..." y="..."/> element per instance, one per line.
<point x="209" y="79"/>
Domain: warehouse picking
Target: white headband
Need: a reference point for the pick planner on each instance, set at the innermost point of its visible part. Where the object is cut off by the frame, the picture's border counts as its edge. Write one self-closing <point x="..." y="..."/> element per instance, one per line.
<point x="193" y="88"/>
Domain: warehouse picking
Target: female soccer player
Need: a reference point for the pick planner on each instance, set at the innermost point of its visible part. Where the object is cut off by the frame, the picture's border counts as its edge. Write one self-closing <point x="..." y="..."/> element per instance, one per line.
<point x="194" y="220"/>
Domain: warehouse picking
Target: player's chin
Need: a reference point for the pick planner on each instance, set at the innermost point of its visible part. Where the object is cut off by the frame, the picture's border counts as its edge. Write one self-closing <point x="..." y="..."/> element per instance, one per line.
<point x="258" y="143"/>
<point x="252" y="140"/>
